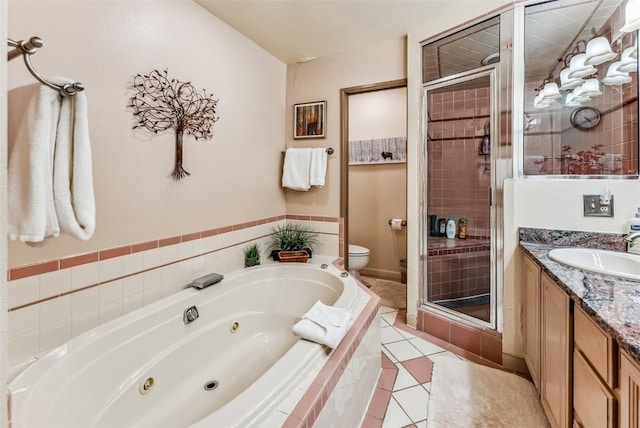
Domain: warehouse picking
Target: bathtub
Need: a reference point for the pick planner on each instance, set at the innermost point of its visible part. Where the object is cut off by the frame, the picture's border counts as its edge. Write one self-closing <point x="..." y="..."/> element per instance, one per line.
<point x="231" y="367"/>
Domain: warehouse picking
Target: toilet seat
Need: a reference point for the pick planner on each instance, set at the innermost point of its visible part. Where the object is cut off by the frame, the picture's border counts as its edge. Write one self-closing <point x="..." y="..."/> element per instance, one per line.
<point x="357" y="250"/>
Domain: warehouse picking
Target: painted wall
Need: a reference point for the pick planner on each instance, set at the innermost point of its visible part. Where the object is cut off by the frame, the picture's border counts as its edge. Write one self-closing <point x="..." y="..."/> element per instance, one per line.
<point x="378" y="193"/>
<point x="322" y="79"/>
<point x="154" y="235"/>
<point x="103" y="46"/>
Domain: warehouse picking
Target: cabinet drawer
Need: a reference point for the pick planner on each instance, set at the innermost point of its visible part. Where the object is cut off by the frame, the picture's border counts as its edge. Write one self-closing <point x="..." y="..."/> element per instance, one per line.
<point x="596" y="345"/>
<point x="593" y="404"/>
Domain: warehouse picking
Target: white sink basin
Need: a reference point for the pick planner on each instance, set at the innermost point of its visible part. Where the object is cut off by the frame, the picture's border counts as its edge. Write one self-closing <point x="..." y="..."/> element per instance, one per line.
<point x="601" y="261"/>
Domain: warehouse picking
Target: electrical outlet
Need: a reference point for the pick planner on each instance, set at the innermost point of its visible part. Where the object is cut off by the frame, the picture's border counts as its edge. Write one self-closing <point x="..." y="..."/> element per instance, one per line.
<point x="593" y="207"/>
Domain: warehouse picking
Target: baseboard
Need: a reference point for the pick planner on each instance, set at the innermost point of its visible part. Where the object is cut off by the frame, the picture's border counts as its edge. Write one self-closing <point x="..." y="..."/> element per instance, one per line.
<point x="516" y="364"/>
<point x="381" y="274"/>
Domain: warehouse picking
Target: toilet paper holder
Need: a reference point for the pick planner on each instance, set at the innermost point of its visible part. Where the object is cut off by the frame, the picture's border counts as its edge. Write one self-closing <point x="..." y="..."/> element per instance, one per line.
<point x="404" y="222"/>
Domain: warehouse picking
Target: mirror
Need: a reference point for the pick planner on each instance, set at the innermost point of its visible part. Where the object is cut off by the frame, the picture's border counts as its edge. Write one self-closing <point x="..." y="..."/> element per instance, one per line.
<point x="581" y="92"/>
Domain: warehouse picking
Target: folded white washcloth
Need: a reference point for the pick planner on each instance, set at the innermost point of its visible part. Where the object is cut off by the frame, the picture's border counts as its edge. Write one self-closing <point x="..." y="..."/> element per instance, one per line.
<point x="323" y="324"/>
<point x="296" y="170"/>
<point x="611" y="163"/>
<point x="34" y="112"/>
<point x="318" y="168"/>
<point x="73" y="172"/>
<point x="534" y="165"/>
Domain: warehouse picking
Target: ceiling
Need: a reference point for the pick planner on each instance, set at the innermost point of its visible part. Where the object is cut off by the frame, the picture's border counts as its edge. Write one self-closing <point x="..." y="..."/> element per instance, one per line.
<point x="302" y="30"/>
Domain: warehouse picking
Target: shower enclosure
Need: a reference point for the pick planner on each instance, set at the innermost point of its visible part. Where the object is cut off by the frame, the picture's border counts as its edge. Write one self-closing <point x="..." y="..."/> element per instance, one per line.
<point x="459" y="101"/>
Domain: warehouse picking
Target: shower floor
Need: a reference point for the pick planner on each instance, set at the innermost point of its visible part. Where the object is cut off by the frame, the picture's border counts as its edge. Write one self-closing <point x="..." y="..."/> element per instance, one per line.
<point x="475" y="306"/>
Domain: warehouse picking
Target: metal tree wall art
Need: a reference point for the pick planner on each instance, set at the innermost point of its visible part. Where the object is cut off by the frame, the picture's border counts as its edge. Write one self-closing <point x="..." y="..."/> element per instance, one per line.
<point x="161" y="103"/>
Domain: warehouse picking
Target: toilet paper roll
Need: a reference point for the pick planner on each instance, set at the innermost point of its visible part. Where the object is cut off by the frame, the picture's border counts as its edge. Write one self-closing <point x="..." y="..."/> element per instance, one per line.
<point x="396" y="223"/>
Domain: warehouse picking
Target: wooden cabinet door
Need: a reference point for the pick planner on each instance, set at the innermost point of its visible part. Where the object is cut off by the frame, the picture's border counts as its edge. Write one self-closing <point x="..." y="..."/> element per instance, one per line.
<point x="593" y="404"/>
<point x="629" y="392"/>
<point x="555" y="361"/>
<point x="532" y="319"/>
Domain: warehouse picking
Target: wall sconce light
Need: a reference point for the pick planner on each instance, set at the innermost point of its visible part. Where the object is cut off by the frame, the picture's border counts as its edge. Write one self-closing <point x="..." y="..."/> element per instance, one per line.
<point x="598" y="51"/>
<point x="631" y="16"/>
<point x="567" y="83"/>
<point x="614" y="76"/>
<point x="578" y="69"/>
<point x="591" y="88"/>
<point x="628" y="63"/>
<point x="570" y="101"/>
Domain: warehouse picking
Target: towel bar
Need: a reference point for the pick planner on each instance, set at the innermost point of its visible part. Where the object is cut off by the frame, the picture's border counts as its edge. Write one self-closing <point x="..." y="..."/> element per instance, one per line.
<point x="28" y="47"/>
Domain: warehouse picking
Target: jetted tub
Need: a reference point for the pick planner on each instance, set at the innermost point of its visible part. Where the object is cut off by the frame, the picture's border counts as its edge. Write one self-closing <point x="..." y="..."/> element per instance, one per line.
<point x="230" y="367"/>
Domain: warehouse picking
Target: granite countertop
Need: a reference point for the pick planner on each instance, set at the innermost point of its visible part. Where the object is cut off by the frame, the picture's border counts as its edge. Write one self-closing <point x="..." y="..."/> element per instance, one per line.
<point x="612" y="302"/>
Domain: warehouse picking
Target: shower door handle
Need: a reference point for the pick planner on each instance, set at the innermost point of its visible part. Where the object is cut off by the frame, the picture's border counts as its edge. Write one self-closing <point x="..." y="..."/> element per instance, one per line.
<point x="490" y="196"/>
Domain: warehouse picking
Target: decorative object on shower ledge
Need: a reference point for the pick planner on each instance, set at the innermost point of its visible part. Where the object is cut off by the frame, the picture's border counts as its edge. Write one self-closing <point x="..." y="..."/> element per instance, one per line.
<point x="293" y="243"/>
<point x="309" y="120"/>
<point x="485" y="144"/>
<point x="161" y="103"/>
<point x="378" y="151"/>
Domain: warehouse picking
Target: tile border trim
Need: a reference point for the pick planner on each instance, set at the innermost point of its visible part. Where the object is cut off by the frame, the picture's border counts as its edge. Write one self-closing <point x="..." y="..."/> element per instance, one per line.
<point x="46" y="266"/>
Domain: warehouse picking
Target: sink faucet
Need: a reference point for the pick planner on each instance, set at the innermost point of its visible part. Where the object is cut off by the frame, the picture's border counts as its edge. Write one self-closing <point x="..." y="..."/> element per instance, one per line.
<point x="630" y="239"/>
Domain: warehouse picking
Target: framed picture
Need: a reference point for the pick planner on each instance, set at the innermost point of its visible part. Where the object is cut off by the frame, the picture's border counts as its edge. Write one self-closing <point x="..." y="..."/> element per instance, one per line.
<point x="309" y="120"/>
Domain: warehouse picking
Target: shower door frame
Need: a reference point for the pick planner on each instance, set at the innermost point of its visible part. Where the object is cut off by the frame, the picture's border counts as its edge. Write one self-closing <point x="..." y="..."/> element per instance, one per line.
<point x="486" y="71"/>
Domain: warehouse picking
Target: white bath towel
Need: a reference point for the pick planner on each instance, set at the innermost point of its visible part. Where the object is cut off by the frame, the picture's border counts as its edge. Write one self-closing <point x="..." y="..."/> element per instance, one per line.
<point x="34" y="112"/>
<point x="534" y="165"/>
<point x="611" y="163"/>
<point x="323" y="324"/>
<point x="318" y="168"/>
<point x="73" y="171"/>
<point x="296" y="170"/>
<point x="50" y="185"/>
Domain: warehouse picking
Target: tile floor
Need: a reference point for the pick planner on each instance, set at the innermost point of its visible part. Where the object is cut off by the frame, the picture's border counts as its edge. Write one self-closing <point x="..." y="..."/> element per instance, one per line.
<point x="402" y="393"/>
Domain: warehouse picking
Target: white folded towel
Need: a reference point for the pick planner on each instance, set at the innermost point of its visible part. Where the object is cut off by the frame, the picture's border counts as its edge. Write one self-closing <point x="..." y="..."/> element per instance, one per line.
<point x="73" y="176"/>
<point x="534" y="165"/>
<point x="34" y="112"/>
<point x="318" y="168"/>
<point x="611" y="163"/>
<point x="323" y="324"/>
<point x="296" y="170"/>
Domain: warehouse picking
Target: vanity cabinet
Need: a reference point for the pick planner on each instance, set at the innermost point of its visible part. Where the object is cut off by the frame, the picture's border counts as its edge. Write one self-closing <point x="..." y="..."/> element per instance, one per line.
<point x="594" y="374"/>
<point x="629" y="391"/>
<point x="555" y="345"/>
<point x="532" y="319"/>
<point x="547" y="342"/>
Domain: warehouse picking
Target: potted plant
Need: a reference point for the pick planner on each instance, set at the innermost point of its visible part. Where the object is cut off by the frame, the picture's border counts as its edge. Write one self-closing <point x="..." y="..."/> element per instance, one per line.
<point x="293" y="242"/>
<point x="251" y="255"/>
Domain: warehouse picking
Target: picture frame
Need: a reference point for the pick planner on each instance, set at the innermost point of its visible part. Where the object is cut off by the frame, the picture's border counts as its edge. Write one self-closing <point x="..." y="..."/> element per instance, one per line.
<point x="309" y="120"/>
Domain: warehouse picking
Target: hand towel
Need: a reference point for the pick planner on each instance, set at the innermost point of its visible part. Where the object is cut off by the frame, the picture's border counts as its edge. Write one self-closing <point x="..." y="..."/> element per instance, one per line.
<point x="295" y="173"/>
<point x="611" y="163"/>
<point x="323" y="324"/>
<point x="534" y="165"/>
<point x="72" y="167"/>
<point x="318" y="168"/>
<point x="34" y="112"/>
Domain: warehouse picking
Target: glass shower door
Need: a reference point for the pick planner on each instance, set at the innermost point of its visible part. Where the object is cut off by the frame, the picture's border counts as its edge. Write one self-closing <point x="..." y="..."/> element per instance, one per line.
<point x="458" y="271"/>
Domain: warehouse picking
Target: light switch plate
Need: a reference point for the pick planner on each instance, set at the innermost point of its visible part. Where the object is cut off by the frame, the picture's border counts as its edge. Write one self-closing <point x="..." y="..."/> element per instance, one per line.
<point x="593" y="208"/>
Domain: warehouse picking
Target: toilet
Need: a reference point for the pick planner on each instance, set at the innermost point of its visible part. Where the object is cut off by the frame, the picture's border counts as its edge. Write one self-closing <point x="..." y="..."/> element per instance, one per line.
<point x="358" y="259"/>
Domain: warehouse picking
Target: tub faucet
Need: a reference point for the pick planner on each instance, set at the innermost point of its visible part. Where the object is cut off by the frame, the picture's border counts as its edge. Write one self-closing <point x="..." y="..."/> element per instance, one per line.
<point x="190" y="315"/>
